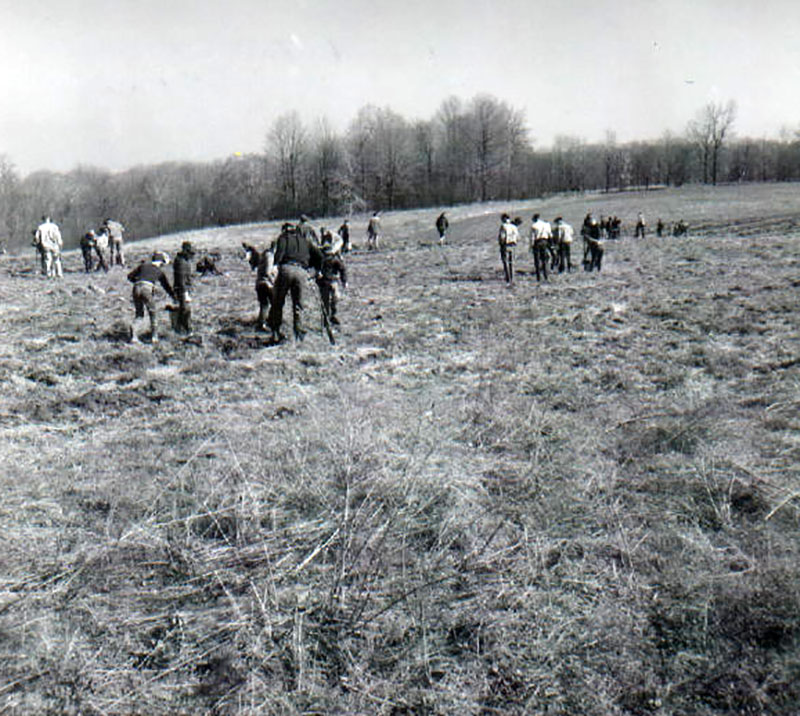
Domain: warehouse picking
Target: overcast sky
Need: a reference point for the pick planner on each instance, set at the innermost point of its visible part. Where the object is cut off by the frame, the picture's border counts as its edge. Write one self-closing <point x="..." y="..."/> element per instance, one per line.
<point x="116" y="83"/>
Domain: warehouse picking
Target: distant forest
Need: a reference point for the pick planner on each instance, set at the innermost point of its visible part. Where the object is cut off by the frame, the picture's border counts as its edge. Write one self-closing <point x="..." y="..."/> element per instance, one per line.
<point x="476" y="150"/>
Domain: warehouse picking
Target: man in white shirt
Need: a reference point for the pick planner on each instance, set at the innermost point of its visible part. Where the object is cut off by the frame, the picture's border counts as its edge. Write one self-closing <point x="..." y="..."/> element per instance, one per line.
<point x="48" y="240"/>
<point x="507" y="238"/>
<point x="564" y="235"/>
<point x="541" y="233"/>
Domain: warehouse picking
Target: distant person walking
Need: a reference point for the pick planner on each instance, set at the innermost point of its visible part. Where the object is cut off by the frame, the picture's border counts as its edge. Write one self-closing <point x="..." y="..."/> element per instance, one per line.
<point x="373" y="231"/>
<point x="344" y="232"/>
<point x="266" y="275"/>
<point x="592" y="245"/>
<point x="47" y="240"/>
<point x="564" y="234"/>
<point x="307" y="231"/>
<point x="294" y="254"/>
<point x="101" y="246"/>
<point x="641" y="226"/>
<point x="333" y="267"/>
<point x="145" y="277"/>
<point x="37" y="244"/>
<point x="507" y="239"/>
<point x="88" y="244"/>
<point x="115" y="232"/>
<point x="182" y="283"/>
<point x="442" y="224"/>
<point x="681" y="228"/>
<point x="540" y="237"/>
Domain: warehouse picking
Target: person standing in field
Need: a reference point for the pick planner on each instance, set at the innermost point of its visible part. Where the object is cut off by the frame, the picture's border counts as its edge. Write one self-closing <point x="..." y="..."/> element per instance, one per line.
<point x="540" y="236"/>
<point x="115" y="231"/>
<point x="100" y="247"/>
<point x="563" y="234"/>
<point x="307" y="230"/>
<point x="266" y="275"/>
<point x="182" y="283"/>
<point x="344" y="232"/>
<point x="88" y="244"/>
<point x="332" y="268"/>
<point x="442" y="225"/>
<point x="294" y="254"/>
<point x="592" y="246"/>
<point x="641" y="225"/>
<point x="48" y="241"/>
<point x="145" y="278"/>
<point x="373" y="231"/>
<point x="507" y="239"/>
<point x="40" y="251"/>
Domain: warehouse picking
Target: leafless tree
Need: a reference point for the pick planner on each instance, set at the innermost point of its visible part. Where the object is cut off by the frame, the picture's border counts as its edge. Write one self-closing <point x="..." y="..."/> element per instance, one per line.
<point x="362" y="149"/>
<point x="10" y="229"/>
<point x="452" y="139"/>
<point x="327" y="168"/>
<point x="393" y="137"/>
<point x="424" y="169"/>
<point x="708" y="132"/>
<point x="286" y="145"/>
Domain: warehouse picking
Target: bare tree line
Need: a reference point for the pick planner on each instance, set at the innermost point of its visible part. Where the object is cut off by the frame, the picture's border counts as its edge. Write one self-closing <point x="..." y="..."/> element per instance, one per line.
<point x="476" y="150"/>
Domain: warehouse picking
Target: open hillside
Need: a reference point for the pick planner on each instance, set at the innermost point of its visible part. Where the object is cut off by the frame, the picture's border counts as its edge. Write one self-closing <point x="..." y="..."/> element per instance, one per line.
<point x="576" y="497"/>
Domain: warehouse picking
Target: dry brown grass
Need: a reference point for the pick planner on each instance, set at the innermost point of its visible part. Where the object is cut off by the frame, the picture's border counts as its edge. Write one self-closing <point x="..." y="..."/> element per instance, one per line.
<point x="579" y="497"/>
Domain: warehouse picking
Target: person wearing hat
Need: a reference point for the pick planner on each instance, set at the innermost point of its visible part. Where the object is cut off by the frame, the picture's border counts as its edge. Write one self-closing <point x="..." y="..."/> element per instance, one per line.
<point x="145" y="277"/>
<point x="294" y="254"/>
<point x="182" y="282"/>
<point x="332" y="267"/>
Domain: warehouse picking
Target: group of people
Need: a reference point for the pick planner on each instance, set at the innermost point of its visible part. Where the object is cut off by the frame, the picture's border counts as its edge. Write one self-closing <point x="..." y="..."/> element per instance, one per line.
<point x="48" y="242"/>
<point x="147" y="276"/>
<point x="549" y="244"/>
<point x="611" y="227"/>
<point x="679" y="228"/>
<point x="283" y="269"/>
<point x="285" y="266"/>
<point x="109" y="237"/>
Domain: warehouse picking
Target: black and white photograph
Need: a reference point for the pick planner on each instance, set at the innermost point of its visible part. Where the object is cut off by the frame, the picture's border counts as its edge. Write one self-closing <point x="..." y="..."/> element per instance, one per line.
<point x="399" y="358"/>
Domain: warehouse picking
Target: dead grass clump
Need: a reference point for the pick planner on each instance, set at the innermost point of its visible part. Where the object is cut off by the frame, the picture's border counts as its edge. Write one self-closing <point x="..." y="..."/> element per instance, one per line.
<point x="681" y="435"/>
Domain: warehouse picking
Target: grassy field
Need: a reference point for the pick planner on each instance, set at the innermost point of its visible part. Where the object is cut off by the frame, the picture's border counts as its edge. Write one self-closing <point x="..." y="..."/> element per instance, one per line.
<point x="577" y="497"/>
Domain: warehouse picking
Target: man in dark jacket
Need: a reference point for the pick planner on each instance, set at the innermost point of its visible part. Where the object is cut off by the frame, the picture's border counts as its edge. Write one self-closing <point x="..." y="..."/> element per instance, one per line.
<point x="344" y="232"/>
<point x="592" y="245"/>
<point x="442" y="225"/>
<point x="144" y="278"/>
<point x="306" y="230"/>
<point x="182" y="282"/>
<point x="88" y="244"/>
<point x="294" y="254"/>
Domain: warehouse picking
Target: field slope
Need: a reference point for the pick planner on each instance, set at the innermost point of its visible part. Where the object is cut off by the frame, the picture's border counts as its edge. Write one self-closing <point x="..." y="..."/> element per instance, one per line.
<point x="577" y="497"/>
